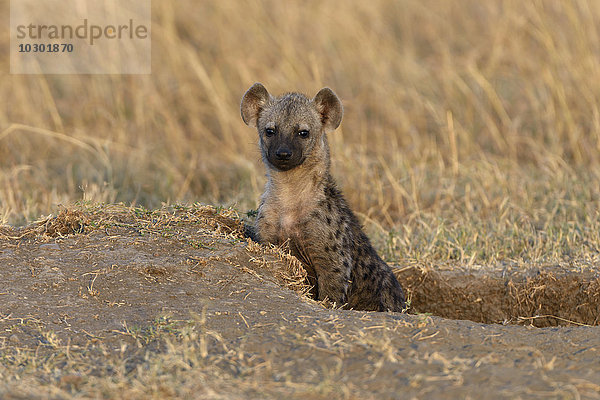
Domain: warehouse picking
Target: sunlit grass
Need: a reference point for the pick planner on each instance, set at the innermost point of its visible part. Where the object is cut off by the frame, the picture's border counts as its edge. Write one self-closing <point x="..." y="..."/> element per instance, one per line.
<point x="471" y="130"/>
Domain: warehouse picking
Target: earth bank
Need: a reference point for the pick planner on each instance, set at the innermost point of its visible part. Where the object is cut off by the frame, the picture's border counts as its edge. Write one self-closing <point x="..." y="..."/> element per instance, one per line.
<point x="105" y="301"/>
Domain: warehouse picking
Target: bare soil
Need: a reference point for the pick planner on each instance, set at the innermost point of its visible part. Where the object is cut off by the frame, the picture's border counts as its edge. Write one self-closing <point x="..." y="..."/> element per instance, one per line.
<point x="116" y="279"/>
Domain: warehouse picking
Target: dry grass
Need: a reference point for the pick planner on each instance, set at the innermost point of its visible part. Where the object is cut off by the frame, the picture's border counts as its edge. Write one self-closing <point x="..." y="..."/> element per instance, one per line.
<point x="471" y="132"/>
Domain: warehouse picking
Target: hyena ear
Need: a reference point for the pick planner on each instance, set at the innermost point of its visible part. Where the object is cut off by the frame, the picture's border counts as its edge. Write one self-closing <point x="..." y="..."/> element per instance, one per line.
<point x="330" y="108"/>
<point x="253" y="102"/>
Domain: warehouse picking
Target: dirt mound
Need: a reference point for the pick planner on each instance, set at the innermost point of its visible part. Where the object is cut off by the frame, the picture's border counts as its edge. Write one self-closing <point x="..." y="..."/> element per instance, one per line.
<point x="542" y="296"/>
<point x="110" y="273"/>
<point x="106" y="301"/>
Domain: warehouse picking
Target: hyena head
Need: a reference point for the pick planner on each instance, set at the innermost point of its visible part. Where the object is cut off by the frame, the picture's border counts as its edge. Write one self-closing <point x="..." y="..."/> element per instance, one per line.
<point x="291" y="127"/>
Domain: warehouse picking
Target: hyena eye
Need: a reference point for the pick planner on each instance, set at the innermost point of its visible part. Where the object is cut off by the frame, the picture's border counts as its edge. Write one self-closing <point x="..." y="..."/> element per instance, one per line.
<point x="303" y="133"/>
<point x="269" y="131"/>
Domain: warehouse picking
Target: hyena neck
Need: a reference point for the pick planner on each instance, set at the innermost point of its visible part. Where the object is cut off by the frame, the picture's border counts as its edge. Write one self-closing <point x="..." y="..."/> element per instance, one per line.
<point x="301" y="187"/>
<point x="300" y="180"/>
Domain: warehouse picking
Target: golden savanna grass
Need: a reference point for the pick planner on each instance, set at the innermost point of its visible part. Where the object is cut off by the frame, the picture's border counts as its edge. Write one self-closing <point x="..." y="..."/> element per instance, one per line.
<point x="471" y="130"/>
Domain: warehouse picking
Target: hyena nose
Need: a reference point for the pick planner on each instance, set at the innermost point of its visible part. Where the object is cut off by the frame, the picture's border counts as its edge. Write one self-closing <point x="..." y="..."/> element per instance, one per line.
<point x="283" y="153"/>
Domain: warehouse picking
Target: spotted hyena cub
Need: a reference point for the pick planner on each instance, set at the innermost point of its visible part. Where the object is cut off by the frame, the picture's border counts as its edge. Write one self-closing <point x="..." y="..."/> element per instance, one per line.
<point x="301" y="203"/>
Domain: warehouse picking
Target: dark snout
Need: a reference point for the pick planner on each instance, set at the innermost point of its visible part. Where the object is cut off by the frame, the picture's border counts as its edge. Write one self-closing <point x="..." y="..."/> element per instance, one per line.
<point x="283" y="153"/>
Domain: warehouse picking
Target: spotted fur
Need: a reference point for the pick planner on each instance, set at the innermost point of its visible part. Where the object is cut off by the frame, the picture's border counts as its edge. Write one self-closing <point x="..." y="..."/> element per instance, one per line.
<point x="302" y="205"/>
